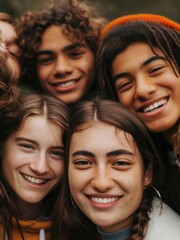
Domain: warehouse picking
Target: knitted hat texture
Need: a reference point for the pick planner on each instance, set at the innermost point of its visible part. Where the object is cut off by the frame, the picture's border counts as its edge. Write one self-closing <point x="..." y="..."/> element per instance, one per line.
<point x="138" y="17"/>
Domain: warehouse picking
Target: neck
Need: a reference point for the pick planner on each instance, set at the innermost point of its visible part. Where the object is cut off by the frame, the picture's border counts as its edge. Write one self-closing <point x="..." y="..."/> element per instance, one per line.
<point x="31" y="211"/>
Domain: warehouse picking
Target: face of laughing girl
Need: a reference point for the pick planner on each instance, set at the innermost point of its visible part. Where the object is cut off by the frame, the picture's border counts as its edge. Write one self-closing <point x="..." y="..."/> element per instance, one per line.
<point x="33" y="163"/>
<point x="106" y="175"/>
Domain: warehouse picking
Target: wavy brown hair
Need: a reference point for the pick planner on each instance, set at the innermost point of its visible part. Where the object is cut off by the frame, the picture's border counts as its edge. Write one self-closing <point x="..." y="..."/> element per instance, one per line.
<point x="80" y="22"/>
<point x="32" y="105"/>
<point x="5" y="17"/>
<point x="9" y="96"/>
<point x="70" y="222"/>
<point x="120" y="37"/>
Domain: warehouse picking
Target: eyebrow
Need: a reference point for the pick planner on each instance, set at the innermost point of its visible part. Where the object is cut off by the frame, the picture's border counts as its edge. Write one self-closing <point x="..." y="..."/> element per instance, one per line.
<point x="119" y="152"/>
<point x="83" y="152"/>
<point x="154" y="58"/>
<point x="148" y="61"/>
<point x="73" y="46"/>
<point x="65" y="49"/>
<point x="108" y="154"/>
<point x="34" y="142"/>
<point x="120" y="75"/>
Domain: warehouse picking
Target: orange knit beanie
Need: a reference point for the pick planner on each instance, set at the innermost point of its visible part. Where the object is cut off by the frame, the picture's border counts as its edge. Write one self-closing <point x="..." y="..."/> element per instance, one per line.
<point x="136" y="17"/>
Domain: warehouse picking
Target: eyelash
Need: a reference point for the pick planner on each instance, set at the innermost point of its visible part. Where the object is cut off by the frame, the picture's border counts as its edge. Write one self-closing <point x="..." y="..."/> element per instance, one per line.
<point x="155" y="69"/>
<point x="27" y="146"/>
<point x="57" y="154"/>
<point x="82" y="162"/>
<point x="121" y="163"/>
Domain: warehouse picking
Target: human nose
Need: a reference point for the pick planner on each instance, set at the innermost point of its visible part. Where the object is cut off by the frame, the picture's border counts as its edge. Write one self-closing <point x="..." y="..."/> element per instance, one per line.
<point x="102" y="180"/>
<point x="62" y="66"/>
<point x="144" y="87"/>
<point x="40" y="164"/>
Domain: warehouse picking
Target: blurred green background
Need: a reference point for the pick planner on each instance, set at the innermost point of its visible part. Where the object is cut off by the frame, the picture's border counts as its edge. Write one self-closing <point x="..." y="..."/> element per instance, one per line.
<point x="108" y="8"/>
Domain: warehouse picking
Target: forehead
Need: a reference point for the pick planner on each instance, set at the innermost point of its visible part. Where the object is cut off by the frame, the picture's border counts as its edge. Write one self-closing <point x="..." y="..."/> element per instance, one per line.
<point x="59" y="34"/>
<point x="39" y="125"/>
<point x="54" y="31"/>
<point x="135" y="54"/>
<point x="102" y="136"/>
<point x="7" y="31"/>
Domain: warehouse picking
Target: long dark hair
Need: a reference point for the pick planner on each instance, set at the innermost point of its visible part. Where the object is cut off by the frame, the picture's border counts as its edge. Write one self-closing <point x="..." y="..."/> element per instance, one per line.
<point x="120" y="37"/>
<point x="70" y="222"/>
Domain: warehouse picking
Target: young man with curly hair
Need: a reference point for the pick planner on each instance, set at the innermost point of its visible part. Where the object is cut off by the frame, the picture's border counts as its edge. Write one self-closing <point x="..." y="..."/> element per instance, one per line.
<point x="59" y="46"/>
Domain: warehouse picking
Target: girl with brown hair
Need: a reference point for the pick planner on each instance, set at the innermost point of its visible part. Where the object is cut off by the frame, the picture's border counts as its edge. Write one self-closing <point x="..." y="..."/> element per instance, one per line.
<point x="32" y="164"/>
<point x="112" y="173"/>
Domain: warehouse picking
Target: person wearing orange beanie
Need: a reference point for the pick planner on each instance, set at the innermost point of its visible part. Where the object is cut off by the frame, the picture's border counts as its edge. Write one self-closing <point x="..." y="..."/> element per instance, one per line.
<point x="139" y="66"/>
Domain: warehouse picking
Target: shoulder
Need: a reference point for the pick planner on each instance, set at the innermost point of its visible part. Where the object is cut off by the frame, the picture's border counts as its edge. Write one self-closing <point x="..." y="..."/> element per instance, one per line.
<point x="164" y="225"/>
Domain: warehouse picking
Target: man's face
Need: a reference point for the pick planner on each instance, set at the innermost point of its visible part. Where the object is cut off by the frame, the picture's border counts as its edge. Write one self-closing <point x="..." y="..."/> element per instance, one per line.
<point x="65" y="68"/>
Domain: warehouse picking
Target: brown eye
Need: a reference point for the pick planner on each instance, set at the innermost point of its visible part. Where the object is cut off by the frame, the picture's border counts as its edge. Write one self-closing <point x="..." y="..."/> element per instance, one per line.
<point x="82" y="162"/>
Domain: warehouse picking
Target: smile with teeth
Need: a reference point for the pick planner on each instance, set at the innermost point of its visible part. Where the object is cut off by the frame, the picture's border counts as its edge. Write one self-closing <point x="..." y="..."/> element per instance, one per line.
<point x="67" y="84"/>
<point x="34" y="180"/>
<point x="155" y="105"/>
<point x="104" y="200"/>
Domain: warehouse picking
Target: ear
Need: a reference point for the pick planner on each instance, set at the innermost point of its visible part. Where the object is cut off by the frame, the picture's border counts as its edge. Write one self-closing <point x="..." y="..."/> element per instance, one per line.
<point x="148" y="175"/>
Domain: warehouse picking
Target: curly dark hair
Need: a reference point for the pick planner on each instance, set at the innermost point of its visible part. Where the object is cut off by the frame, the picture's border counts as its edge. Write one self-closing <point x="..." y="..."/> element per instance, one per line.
<point x="79" y="21"/>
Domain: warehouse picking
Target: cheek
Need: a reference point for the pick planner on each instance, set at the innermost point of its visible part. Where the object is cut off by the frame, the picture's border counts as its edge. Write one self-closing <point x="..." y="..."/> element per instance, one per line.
<point x="88" y="64"/>
<point x="133" y="182"/>
<point x="137" y="189"/>
<point x="58" y="169"/>
<point x="71" y="178"/>
<point x="75" y="181"/>
<point x="43" y="72"/>
<point x="126" y="99"/>
<point x="7" y="165"/>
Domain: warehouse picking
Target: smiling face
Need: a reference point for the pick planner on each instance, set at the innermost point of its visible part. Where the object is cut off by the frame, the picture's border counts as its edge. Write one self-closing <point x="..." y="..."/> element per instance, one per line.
<point x="106" y="176"/>
<point x="9" y="47"/>
<point x="65" y="69"/>
<point x="147" y="85"/>
<point x="33" y="159"/>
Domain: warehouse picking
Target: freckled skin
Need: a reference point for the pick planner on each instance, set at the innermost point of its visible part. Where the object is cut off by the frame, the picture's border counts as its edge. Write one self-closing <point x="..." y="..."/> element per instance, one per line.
<point x="96" y="169"/>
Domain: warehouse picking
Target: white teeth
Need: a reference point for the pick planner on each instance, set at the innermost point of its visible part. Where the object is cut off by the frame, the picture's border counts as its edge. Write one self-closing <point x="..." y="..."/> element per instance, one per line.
<point x="103" y="200"/>
<point x="67" y="84"/>
<point x="155" y="105"/>
<point x="34" y="180"/>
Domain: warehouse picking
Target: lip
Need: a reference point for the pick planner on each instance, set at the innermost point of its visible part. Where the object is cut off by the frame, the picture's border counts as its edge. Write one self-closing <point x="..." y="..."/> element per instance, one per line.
<point x="34" y="181"/>
<point x="104" y="201"/>
<point x="154" y="113"/>
<point x="150" y="102"/>
<point x="152" y="108"/>
<point x="65" y="86"/>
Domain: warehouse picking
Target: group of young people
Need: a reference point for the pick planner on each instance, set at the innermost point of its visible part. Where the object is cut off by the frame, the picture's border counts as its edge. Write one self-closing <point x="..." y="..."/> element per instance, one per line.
<point x="89" y="126"/>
